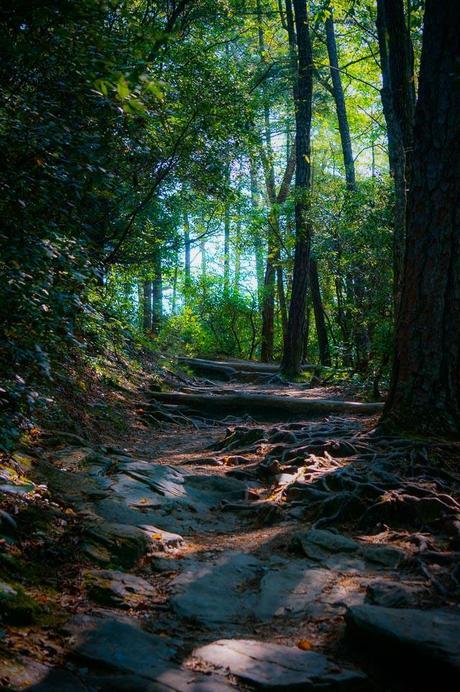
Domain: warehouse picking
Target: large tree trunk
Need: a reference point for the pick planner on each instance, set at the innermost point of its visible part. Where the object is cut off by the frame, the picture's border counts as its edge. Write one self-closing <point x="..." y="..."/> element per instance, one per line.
<point x="425" y="385"/>
<point x="294" y="341"/>
<point x="398" y="102"/>
<point x="321" y="331"/>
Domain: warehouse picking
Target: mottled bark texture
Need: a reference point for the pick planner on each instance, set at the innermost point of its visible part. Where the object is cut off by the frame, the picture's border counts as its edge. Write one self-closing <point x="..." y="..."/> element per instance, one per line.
<point x="425" y="387"/>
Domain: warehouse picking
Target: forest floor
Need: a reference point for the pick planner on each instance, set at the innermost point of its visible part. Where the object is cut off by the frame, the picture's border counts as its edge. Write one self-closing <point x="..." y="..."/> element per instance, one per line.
<point x="202" y="551"/>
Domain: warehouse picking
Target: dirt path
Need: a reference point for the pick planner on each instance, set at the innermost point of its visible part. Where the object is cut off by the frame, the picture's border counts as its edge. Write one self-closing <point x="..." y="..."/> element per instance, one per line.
<point x="239" y="554"/>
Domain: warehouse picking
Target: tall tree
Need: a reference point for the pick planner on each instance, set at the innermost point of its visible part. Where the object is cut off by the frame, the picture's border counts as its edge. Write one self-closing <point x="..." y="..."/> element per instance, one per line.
<point x="303" y="92"/>
<point x="147" y="305"/>
<point x="398" y="102"/>
<point x="187" y="252"/>
<point x="425" y="385"/>
<point x="340" y="106"/>
<point x="320" y="321"/>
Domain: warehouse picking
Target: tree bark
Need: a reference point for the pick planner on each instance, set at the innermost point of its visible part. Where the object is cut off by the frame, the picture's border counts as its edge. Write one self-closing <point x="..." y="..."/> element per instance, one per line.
<point x="147" y="302"/>
<point x="157" y="295"/>
<point x="227" y="249"/>
<point x="258" y="242"/>
<point x="187" y="248"/>
<point x="398" y="102"/>
<point x="321" y="330"/>
<point x="295" y="335"/>
<point x="425" y="385"/>
<point x="340" y="106"/>
<point x="258" y="403"/>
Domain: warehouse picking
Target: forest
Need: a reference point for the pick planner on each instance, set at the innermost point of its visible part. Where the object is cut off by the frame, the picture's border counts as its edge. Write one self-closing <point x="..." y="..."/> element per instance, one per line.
<point x="229" y="345"/>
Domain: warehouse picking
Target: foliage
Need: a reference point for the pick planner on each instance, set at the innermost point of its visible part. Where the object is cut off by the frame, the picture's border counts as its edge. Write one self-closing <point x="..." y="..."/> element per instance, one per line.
<point x="139" y="141"/>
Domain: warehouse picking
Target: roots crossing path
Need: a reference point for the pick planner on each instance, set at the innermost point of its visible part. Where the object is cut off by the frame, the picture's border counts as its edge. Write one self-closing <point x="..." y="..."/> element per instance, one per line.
<point x="240" y="552"/>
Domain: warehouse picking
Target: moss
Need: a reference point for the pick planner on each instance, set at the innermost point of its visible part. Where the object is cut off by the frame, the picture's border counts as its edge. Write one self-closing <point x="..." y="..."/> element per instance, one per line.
<point x="17" y="607"/>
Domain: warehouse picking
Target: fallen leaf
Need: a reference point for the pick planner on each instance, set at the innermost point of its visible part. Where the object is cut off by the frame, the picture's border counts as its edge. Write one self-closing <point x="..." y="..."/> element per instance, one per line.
<point x="304" y="645"/>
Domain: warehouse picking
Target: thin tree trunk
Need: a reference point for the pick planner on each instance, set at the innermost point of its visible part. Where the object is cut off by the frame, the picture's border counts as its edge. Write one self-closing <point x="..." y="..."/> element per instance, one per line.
<point x="321" y="330"/>
<point x="227" y="249"/>
<point x="140" y="304"/>
<point x="295" y="336"/>
<point x="203" y="258"/>
<point x="237" y="275"/>
<point x="157" y="295"/>
<point x="273" y="255"/>
<point x="147" y="303"/>
<point x="361" y="338"/>
<point x="340" y="106"/>
<point x="187" y="248"/>
<point x="282" y="299"/>
<point x="174" y="291"/>
<point x="425" y="385"/>
<point x="258" y="242"/>
<point x="307" y="334"/>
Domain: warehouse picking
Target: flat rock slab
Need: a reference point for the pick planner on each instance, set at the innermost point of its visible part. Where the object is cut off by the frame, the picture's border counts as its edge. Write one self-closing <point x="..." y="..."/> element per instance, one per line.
<point x="25" y="674"/>
<point x="424" y="635"/>
<point x="237" y="587"/>
<point x="340" y="552"/>
<point x="140" y="660"/>
<point x="214" y="593"/>
<point x="170" y="680"/>
<point x="292" y="589"/>
<point x="112" y="588"/>
<point x="276" y="667"/>
<point x="120" y="644"/>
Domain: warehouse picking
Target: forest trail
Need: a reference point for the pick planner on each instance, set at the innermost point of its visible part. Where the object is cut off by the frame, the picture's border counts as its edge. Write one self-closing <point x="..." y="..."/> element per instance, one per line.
<point x="245" y="551"/>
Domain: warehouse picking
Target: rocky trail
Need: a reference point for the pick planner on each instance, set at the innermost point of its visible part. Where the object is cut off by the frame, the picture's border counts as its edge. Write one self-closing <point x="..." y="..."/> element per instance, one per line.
<point x="238" y="546"/>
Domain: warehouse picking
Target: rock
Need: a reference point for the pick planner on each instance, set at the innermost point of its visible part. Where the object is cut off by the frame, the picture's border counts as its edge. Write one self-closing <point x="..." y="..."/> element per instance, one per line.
<point x="328" y="547"/>
<point x="272" y="666"/>
<point x="237" y="587"/>
<point x="143" y="658"/>
<point x="213" y="594"/>
<point x="162" y="540"/>
<point x="392" y="594"/>
<point x="170" y="680"/>
<point x="292" y="589"/>
<point x="345" y="594"/>
<point x="422" y="637"/>
<point x="17" y="607"/>
<point x="118" y="544"/>
<point x="383" y="555"/>
<point x="25" y="674"/>
<point x="119" y="589"/>
<point x="120" y="644"/>
<point x="318" y="544"/>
